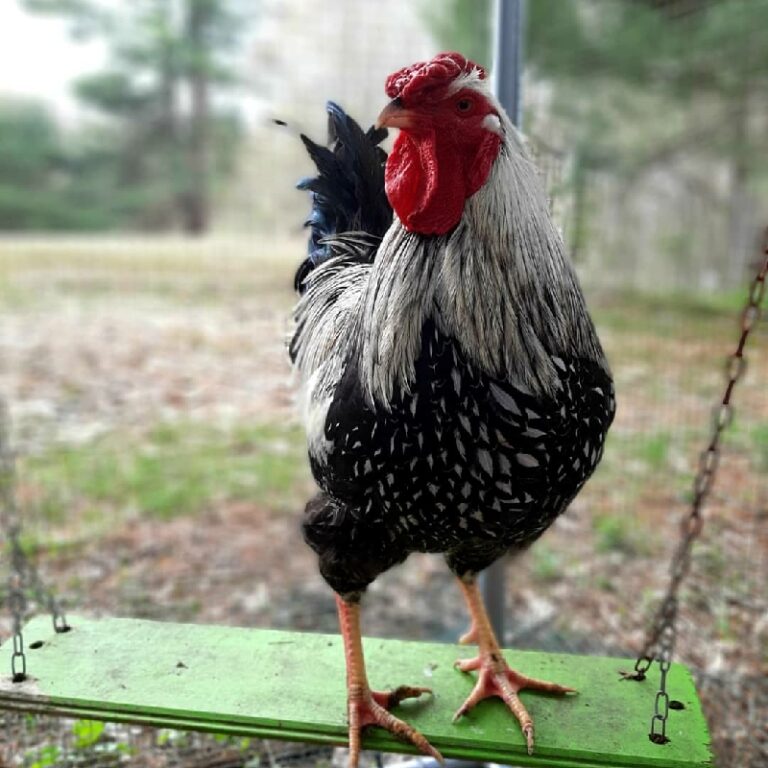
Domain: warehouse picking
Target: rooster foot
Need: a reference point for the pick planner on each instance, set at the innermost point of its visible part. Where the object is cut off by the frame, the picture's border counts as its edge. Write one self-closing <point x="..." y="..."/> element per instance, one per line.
<point x="497" y="679"/>
<point x="368" y="707"/>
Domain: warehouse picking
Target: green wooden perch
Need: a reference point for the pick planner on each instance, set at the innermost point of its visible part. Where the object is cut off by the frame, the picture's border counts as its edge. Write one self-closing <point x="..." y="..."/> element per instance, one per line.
<point x="289" y="685"/>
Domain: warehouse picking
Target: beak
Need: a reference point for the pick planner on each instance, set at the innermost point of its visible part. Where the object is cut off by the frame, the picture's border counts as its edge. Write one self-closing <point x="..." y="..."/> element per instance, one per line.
<point x="395" y="115"/>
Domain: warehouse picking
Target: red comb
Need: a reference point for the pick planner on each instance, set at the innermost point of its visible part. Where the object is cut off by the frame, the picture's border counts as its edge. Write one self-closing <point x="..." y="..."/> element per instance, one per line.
<point x="422" y="75"/>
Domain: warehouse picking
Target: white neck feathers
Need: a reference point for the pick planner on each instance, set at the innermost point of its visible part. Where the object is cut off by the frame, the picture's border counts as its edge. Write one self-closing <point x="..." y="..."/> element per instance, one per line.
<point x="499" y="284"/>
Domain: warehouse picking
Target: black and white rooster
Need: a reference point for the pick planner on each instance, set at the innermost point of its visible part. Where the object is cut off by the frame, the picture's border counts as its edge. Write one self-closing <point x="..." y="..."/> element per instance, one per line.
<point x="454" y="391"/>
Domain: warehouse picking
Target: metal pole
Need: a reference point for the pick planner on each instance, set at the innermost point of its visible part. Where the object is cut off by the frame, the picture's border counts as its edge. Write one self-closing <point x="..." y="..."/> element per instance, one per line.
<point x="507" y="85"/>
<point x="508" y="56"/>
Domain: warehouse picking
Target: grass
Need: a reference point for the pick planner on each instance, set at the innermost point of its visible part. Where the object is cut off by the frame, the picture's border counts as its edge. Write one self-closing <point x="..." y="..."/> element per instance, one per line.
<point x="690" y="314"/>
<point x="759" y="436"/>
<point x="639" y="463"/>
<point x="547" y="564"/>
<point x="34" y="272"/>
<point x="652" y="450"/>
<point x="209" y="268"/>
<point x="173" y="469"/>
<point x="620" y="533"/>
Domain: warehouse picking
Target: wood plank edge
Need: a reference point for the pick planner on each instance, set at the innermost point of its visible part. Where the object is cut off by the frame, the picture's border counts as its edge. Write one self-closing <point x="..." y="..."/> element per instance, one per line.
<point x="380" y="741"/>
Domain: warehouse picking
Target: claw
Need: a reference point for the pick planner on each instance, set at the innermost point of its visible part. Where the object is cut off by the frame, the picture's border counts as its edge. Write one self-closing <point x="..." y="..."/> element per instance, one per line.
<point x="467" y="665"/>
<point x="528" y="733"/>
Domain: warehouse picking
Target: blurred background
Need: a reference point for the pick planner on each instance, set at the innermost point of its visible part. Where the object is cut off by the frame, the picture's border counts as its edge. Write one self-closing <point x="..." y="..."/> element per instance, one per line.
<point x="149" y="228"/>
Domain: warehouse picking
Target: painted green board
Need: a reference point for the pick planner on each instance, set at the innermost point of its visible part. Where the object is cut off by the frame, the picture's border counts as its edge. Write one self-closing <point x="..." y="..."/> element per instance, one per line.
<point x="290" y="685"/>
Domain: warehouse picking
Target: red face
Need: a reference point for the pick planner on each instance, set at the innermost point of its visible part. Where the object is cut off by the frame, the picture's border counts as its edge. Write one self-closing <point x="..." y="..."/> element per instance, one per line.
<point x="449" y="139"/>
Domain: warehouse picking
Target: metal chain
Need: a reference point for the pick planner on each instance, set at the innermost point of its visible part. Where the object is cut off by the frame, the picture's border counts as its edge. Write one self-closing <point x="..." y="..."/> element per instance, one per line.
<point x="23" y="573"/>
<point x="17" y="598"/>
<point x="661" y="639"/>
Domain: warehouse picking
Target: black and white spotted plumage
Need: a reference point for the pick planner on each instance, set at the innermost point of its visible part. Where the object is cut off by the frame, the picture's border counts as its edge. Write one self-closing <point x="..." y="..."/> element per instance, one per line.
<point x="456" y="399"/>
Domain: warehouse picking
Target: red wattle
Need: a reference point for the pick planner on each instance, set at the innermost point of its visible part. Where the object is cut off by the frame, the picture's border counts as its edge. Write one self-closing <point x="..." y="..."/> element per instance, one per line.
<point x="428" y="181"/>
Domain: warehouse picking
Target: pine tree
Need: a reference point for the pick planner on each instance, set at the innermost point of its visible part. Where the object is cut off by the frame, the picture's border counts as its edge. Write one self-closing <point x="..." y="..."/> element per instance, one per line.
<point x="167" y="61"/>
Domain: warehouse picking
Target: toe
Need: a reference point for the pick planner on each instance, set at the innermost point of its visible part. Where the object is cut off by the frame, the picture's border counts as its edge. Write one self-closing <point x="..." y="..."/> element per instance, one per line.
<point x="479" y="692"/>
<point x="467" y="665"/>
<point x="405" y="732"/>
<point x="389" y="699"/>
<point x="519" y="682"/>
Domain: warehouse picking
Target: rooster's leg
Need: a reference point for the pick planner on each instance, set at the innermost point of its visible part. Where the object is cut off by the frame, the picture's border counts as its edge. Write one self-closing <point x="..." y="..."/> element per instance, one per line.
<point x="495" y="678"/>
<point x="367" y="707"/>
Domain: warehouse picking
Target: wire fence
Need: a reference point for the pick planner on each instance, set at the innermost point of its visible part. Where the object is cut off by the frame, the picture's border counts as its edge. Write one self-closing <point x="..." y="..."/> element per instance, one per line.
<point x="150" y="394"/>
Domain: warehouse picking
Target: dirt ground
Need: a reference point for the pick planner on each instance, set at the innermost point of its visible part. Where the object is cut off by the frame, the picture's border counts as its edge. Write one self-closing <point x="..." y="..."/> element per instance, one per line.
<point x="90" y="348"/>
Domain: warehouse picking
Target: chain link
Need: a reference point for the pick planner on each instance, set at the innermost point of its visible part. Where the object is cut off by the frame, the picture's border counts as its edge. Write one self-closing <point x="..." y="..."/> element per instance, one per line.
<point x="662" y="636"/>
<point x="23" y="573"/>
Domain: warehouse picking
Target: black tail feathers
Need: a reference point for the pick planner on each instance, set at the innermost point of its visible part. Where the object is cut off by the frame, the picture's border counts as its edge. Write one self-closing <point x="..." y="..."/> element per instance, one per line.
<point x="348" y="192"/>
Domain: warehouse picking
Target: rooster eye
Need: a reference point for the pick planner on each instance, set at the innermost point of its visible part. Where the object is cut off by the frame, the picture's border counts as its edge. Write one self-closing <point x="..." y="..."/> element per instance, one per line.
<point x="464" y="106"/>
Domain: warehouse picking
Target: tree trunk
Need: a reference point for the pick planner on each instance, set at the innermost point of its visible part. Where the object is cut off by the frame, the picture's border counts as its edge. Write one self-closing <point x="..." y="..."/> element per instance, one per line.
<point x="742" y="219"/>
<point x="195" y="202"/>
<point x="168" y="118"/>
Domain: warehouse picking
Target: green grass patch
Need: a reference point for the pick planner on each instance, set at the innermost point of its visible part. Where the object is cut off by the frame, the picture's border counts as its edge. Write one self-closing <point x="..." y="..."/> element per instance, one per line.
<point x="36" y="272"/>
<point x="547" y="564"/>
<point x="652" y="449"/>
<point x="87" y="733"/>
<point x="43" y="757"/>
<point x="33" y="270"/>
<point x="617" y="533"/>
<point x="759" y="437"/>
<point x="694" y="314"/>
<point x="171" y="470"/>
<point x="635" y="462"/>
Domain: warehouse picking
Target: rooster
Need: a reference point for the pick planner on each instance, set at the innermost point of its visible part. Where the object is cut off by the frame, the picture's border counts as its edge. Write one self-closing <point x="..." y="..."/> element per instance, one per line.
<point x="454" y="392"/>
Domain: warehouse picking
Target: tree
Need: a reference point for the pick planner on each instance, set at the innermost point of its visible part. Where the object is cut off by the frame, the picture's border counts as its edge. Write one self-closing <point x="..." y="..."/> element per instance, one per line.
<point x="701" y="67"/>
<point x="168" y="59"/>
<point x="462" y="25"/>
<point x="45" y="181"/>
